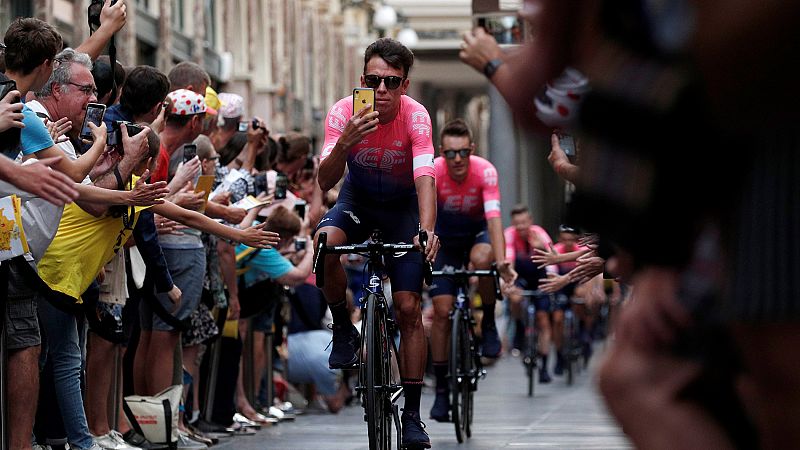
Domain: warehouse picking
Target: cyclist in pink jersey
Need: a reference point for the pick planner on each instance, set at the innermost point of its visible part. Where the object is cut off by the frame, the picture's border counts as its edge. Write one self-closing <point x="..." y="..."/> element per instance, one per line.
<point x="522" y="238"/>
<point x="468" y="203"/>
<point x="389" y="186"/>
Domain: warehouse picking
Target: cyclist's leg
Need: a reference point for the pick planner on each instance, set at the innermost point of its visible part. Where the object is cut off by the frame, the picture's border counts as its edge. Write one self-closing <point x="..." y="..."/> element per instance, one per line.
<point x="516" y="314"/>
<point x="405" y="273"/>
<point x="545" y="333"/>
<point x="558" y="336"/>
<point x="482" y="258"/>
<point x="340" y="223"/>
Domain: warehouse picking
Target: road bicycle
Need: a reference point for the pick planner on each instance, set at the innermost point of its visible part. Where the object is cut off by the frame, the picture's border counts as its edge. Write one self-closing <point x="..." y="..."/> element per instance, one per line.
<point x="571" y="347"/>
<point x="465" y="366"/>
<point x="530" y="353"/>
<point x="379" y="386"/>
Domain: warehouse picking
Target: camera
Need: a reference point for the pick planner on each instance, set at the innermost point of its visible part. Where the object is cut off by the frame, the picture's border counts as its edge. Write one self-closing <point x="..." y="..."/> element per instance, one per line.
<point x="253" y="123"/>
<point x="299" y="244"/>
<point x="115" y="135"/>
<point x="95" y="8"/>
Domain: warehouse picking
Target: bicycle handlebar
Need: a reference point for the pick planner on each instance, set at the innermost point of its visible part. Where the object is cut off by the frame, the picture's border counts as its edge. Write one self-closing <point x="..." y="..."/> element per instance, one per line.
<point x="370" y="248"/>
<point x="462" y="274"/>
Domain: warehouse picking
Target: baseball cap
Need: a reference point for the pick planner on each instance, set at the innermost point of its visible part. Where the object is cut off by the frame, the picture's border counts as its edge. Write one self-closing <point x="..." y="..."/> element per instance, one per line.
<point x="183" y="102"/>
<point x="232" y="105"/>
<point x="212" y="99"/>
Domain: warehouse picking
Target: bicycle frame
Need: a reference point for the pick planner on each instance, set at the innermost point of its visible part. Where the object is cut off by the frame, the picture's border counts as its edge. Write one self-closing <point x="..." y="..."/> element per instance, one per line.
<point x="378" y="390"/>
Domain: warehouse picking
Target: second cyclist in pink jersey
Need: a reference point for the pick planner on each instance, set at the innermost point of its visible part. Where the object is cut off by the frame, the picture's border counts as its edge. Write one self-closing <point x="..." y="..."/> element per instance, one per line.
<point x="389" y="186"/>
<point x="468" y="217"/>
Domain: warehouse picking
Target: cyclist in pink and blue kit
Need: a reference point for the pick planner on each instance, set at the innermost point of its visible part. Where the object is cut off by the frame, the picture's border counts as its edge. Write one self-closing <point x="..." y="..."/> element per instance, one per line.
<point x="389" y="186"/>
<point x="468" y="201"/>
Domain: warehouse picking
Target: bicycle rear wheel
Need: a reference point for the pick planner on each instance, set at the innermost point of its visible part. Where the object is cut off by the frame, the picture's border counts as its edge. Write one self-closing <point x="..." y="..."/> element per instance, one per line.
<point x="376" y="375"/>
<point x="530" y="352"/>
<point x="457" y="376"/>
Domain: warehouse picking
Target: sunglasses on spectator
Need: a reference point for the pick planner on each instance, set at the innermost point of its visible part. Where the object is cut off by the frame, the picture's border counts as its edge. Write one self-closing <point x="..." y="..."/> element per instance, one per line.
<point x="87" y="89"/>
<point x="373" y="81"/>
<point x="451" y="154"/>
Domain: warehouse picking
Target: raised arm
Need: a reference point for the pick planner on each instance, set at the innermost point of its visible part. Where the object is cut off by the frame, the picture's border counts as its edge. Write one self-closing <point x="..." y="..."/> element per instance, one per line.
<point x="112" y="19"/>
<point x="341" y="134"/>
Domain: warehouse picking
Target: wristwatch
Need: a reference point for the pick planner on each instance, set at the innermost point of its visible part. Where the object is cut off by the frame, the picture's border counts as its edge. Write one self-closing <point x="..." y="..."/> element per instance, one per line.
<point x="491" y="67"/>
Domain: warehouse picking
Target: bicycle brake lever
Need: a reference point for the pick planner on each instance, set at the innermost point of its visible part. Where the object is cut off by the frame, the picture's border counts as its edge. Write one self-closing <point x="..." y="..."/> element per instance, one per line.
<point x="427" y="269"/>
<point x="322" y="241"/>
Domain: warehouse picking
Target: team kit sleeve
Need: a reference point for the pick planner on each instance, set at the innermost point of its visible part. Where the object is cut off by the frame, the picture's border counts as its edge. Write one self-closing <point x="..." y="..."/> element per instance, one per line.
<point x="335" y="122"/>
<point x="491" y="191"/>
<point x="510" y="236"/>
<point x="421" y="142"/>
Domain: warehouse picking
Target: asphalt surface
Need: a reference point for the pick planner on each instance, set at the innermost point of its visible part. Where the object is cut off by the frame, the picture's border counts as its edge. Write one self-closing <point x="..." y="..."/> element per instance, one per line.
<point x="557" y="416"/>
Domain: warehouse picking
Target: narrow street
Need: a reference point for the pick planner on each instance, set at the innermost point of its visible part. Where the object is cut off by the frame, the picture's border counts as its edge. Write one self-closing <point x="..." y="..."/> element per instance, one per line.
<point x="558" y="416"/>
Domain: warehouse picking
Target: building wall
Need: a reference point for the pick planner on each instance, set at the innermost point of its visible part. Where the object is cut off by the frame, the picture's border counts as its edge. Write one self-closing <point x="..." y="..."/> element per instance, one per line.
<point x="289" y="59"/>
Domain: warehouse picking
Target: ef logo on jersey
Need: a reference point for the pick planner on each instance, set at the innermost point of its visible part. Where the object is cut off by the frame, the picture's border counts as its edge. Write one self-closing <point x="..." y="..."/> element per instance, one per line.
<point x="490" y="176"/>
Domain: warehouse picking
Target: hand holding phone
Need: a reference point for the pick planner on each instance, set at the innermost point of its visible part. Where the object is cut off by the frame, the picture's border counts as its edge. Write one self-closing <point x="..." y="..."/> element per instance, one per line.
<point x="189" y="152"/>
<point x="94" y="114"/>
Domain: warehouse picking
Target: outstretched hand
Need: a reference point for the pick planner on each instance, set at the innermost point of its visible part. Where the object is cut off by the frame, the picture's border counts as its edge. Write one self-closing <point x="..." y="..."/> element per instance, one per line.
<point x="144" y="194"/>
<point x="257" y="237"/>
<point x="545" y="258"/>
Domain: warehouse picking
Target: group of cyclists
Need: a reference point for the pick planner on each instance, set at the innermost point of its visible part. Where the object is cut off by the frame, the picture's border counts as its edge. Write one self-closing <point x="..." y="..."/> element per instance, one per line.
<point x="396" y="184"/>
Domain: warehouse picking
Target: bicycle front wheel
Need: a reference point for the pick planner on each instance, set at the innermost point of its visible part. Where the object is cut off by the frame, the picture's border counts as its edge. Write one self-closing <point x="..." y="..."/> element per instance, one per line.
<point x="458" y="376"/>
<point x="470" y="383"/>
<point x="376" y="375"/>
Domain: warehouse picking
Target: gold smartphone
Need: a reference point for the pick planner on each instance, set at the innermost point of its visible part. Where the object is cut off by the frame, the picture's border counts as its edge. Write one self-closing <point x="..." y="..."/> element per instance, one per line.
<point x="363" y="97"/>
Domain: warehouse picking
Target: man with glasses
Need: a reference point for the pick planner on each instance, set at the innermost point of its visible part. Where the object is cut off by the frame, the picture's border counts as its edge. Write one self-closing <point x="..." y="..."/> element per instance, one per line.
<point x="468" y="199"/>
<point x="389" y="186"/>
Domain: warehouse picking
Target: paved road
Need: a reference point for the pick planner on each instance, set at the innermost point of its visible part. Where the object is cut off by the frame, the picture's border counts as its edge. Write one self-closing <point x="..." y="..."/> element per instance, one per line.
<point x="558" y="416"/>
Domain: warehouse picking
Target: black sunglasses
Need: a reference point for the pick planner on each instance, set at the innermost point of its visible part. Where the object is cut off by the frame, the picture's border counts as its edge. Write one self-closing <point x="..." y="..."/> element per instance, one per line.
<point x="373" y="81"/>
<point x="451" y="154"/>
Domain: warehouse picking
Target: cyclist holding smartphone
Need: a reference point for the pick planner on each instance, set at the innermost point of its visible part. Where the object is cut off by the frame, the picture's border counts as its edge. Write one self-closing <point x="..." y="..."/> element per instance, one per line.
<point x="390" y="186"/>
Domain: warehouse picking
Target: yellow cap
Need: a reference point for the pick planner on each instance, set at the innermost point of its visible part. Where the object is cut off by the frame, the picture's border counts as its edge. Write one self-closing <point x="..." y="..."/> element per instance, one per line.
<point x="211" y="98"/>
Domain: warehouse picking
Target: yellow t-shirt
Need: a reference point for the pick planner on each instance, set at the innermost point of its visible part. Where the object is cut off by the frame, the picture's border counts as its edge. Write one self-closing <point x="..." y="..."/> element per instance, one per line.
<point x="82" y="246"/>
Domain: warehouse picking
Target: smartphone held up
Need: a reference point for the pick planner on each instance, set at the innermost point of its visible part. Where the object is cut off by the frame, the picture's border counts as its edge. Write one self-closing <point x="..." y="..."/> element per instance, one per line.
<point x="363" y="97"/>
<point x="94" y="114"/>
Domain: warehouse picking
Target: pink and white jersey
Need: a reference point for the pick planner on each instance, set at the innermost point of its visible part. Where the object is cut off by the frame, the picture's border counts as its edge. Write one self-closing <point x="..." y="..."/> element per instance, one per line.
<point x="384" y="165"/>
<point x="569" y="265"/>
<point x="464" y="207"/>
<point x="516" y="246"/>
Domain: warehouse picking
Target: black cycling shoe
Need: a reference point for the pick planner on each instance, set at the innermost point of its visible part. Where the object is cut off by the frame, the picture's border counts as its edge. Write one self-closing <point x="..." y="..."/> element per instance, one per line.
<point x="491" y="345"/>
<point x="559" y="369"/>
<point x="440" y="411"/>
<point x="544" y="377"/>
<point x="345" y="342"/>
<point x="414" y="435"/>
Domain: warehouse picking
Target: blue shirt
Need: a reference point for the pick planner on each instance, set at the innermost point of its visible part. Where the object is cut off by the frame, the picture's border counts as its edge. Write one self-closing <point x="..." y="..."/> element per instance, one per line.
<point x="268" y="264"/>
<point x="34" y="137"/>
